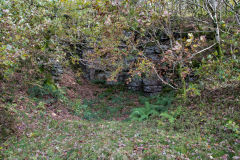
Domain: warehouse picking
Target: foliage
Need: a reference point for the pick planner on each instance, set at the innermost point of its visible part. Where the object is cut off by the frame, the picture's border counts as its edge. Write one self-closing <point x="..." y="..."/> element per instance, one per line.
<point x="217" y="73"/>
<point x="144" y="113"/>
<point x="233" y="126"/>
<point x="161" y="105"/>
<point x="28" y="35"/>
<point x="116" y="32"/>
<point x="45" y="90"/>
<point x="84" y="111"/>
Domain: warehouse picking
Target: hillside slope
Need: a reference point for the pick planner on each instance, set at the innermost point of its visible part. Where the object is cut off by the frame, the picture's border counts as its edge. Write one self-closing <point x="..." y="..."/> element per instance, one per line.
<point x="91" y="122"/>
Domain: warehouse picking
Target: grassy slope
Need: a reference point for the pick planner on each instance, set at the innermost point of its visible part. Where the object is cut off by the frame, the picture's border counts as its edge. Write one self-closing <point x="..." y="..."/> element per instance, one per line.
<point x="97" y="129"/>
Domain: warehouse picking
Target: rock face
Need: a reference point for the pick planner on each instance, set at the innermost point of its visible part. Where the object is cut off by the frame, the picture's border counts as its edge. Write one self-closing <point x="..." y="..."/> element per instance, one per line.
<point x="136" y="85"/>
<point x="152" y="85"/>
<point x="147" y="85"/>
<point x="56" y="71"/>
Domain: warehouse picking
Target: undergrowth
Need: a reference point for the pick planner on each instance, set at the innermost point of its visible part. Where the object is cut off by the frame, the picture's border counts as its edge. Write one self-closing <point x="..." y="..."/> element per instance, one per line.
<point x="118" y="124"/>
<point x="153" y="106"/>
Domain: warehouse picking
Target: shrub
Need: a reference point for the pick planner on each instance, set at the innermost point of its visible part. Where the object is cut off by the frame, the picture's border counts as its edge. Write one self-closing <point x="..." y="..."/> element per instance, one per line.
<point x="48" y="89"/>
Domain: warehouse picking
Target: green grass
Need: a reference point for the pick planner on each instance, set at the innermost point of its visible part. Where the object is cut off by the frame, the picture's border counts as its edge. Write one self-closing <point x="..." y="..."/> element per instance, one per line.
<point x="200" y="131"/>
<point x="110" y="139"/>
<point x="108" y="105"/>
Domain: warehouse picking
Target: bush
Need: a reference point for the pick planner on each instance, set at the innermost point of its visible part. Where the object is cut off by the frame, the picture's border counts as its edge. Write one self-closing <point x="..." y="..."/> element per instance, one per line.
<point x="47" y="90"/>
<point x="115" y="34"/>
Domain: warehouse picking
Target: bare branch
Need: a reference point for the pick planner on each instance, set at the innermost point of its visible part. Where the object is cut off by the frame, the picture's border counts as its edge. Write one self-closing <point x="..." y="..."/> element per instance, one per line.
<point x="193" y="55"/>
<point x="160" y="78"/>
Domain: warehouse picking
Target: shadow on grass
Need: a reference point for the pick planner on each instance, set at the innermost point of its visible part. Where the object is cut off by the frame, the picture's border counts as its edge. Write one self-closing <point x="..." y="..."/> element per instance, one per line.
<point x="117" y="103"/>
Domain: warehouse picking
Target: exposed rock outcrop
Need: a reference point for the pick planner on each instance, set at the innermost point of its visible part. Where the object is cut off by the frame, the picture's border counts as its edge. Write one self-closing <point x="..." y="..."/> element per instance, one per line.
<point x="151" y="51"/>
<point x="148" y="85"/>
